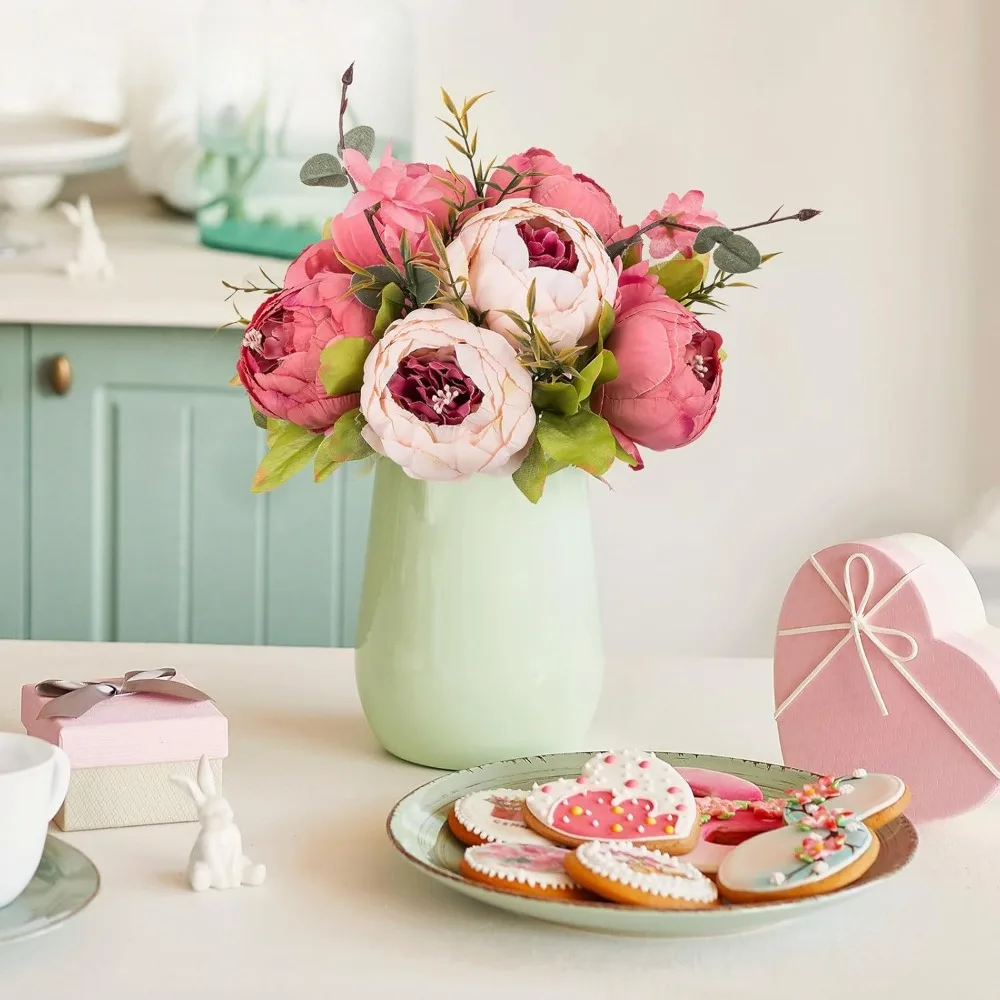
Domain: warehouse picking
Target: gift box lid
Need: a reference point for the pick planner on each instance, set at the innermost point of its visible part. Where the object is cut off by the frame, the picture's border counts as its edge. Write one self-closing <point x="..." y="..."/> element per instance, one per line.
<point x="138" y="728"/>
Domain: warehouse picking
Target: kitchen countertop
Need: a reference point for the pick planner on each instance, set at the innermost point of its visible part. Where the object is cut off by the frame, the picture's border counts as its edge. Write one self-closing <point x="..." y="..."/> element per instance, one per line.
<point x="342" y="915"/>
<point x="163" y="276"/>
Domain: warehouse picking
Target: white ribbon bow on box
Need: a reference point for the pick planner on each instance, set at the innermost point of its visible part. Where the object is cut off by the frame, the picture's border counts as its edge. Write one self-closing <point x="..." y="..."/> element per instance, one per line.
<point x="861" y="625"/>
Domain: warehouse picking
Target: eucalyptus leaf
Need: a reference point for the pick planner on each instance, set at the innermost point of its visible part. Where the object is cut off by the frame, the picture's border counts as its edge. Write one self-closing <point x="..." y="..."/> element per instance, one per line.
<point x="258" y="418"/>
<point x="361" y="138"/>
<point x="557" y="397"/>
<point x="384" y="273"/>
<point x="425" y="285"/>
<point x="342" y="365"/>
<point x="583" y="439"/>
<point x="736" y="254"/>
<point x="289" y="452"/>
<point x="389" y="310"/>
<point x="530" y="476"/>
<point x="708" y="237"/>
<point x="323" y="170"/>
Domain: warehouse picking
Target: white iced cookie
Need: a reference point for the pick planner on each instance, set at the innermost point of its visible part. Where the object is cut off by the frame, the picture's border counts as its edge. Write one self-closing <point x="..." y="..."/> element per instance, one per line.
<point x="626" y="873"/>
<point x="524" y="869"/>
<point x="627" y="796"/>
<point x="494" y="815"/>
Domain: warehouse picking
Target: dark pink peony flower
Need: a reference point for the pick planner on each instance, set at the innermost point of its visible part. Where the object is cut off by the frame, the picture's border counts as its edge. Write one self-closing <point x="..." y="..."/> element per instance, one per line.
<point x="279" y="361"/>
<point x="577" y="194"/>
<point x="670" y="374"/>
<point x="429" y="384"/>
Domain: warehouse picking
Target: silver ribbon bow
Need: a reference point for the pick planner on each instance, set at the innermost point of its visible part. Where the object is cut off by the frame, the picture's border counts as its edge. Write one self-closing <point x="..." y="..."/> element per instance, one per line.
<point x="71" y="699"/>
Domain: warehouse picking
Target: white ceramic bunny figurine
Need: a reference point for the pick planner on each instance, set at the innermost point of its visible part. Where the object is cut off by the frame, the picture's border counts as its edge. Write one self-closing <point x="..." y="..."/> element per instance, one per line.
<point x="217" y="860"/>
<point x="91" y="259"/>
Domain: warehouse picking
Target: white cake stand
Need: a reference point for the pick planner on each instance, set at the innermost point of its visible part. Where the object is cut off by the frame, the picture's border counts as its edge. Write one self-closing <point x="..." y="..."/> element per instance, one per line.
<point x="37" y="152"/>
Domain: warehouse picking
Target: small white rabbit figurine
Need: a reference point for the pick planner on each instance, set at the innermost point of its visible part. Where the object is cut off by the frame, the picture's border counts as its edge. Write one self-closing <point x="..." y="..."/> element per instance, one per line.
<point x="91" y="259"/>
<point x="217" y="860"/>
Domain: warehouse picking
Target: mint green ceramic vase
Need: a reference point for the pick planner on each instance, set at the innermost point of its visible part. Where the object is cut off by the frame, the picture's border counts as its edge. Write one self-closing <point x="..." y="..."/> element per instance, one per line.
<point x="479" y="634"/>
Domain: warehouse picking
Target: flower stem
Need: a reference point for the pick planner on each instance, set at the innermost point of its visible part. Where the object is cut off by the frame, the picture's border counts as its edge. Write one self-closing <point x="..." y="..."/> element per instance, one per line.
<point x="346" y="80"/>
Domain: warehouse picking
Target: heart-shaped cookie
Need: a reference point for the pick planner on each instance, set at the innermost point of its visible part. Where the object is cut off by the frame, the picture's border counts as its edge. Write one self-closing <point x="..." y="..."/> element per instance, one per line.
<point x="627" y="795"/>
<point x="884" y="655"/>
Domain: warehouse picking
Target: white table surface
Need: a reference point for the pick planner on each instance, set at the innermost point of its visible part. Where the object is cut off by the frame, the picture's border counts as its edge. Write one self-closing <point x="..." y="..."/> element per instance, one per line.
<point x="163" y="276"/>
<point x="342" y="916"/>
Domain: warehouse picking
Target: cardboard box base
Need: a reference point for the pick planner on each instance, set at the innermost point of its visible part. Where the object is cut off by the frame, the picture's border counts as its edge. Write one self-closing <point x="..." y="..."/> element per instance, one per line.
<point x="102" y="798"/>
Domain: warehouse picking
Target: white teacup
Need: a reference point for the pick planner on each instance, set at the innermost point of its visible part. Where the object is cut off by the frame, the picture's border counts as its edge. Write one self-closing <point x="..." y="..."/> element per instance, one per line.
<point x="34" y="777"/>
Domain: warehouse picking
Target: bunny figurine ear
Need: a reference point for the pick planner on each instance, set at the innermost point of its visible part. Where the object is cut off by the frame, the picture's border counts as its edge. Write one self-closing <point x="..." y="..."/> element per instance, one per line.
<point x="206" y="779"/>
<point x="187" y="782"/>
<point x="70" y="211"/>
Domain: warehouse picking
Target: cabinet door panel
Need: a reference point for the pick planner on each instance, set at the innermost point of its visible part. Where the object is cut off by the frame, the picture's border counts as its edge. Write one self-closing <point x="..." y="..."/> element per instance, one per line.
<point x="14" y="482"/>
<point x="146" y="529"/>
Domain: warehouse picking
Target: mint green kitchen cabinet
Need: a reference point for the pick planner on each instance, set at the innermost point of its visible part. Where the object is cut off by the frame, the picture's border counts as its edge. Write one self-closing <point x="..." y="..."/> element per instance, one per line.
<point x="133" y="460"/>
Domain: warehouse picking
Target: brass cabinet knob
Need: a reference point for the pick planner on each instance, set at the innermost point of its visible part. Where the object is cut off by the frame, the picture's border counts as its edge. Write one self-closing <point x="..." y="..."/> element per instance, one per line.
<point x="60" y="375"/>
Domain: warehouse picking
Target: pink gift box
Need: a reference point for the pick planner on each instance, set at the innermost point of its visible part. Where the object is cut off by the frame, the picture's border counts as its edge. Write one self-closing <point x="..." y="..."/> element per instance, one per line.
<point x="884" y="660"/>
<point x="123" y="751"/>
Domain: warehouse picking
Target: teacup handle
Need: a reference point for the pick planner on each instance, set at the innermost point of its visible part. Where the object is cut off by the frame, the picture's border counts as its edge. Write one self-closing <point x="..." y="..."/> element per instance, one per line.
<point x="60" y="780"/>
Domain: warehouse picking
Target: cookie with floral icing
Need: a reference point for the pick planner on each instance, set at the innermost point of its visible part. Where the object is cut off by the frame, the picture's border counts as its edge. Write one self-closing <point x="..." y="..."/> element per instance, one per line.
<point x="725" y="824"/>
<point x="875" y="799"/>
<point x="627" y="873"/>
<point x="524" y="869"/>
<point x="492" y="816"/>
<point x="823" y="852"/>
<point x="620" y="796"/>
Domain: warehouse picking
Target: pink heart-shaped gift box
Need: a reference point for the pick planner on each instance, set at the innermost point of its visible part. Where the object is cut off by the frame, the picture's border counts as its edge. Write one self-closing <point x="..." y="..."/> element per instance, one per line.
<point x="934" y="663"/>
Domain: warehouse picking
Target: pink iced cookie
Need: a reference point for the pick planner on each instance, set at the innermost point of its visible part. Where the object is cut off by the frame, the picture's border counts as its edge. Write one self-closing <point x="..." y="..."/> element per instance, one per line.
<point x="729" y="825"/>
<point x="705" y="783"/>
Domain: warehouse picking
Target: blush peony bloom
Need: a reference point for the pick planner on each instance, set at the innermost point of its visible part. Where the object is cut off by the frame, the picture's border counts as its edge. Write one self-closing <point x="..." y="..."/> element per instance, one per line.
<point x="689" y="210"/>
<point x="279" y="361"/>
<point x="502" y="249"/>
<point x="577" y="194"/>
<point x="351" y="234"/>
<point x="445" y="399"/>
<point x="669" y="371"/>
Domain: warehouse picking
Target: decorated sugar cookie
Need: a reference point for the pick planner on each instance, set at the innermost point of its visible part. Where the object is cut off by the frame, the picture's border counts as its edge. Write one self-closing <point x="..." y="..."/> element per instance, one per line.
<point x="725" y="824"/>
<point x="625" y="796"/>
<point x="717" y="784"/>
<point x="875" y="799"/>
<point x="492" y="816"/>
<point x="626" y="873"/>
<point x="525" y="869"/>
<point x="824" y="851"/>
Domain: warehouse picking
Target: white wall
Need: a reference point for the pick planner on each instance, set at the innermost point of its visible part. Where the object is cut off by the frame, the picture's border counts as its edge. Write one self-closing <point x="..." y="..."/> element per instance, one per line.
<point x="848" y="403"/>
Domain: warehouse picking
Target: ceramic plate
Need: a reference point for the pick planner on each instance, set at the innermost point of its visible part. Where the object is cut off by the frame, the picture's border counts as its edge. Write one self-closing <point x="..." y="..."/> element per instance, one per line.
<point x="66" y="881"/>
<point x="417" y="827"/>
<point x="54" y="144"/>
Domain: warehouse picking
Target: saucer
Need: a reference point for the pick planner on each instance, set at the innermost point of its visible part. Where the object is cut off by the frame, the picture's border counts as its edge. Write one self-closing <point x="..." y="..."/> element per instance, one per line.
<point x="66" y="881"/>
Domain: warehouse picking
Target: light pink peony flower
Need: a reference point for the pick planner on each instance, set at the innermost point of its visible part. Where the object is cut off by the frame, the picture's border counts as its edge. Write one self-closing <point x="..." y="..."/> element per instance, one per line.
<point x="577" y="194"/>
<point x="351" y="235"/>
<point x="664" y="241"/>
<point x="445" y="399"/>
<point x="502" y="249"/>
<point x="279" y="361"/>
<point x="669" y="372"/>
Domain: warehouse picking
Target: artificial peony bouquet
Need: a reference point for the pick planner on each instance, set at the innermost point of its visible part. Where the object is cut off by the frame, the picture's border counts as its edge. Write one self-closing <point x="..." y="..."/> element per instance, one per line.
<point x="502" y="320"/>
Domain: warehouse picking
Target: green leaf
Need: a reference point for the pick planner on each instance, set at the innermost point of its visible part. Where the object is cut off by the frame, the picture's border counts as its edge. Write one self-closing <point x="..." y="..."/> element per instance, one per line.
<point x="583" y="439"/>
<point x="602" y="368"/>
<point x="557" y="397"/>
<point x="736" y="254"/>
<point x="289" y="451"/>
<point x="344" y="443"/>
<point x="258" y="418"/>
<point x="605" y="324"/>
<point x="623" y="456"/>
<point x="361" y="138"/>
<point x="632" y="255"/>
<point x="425" y="285"/>
<point x="323" y="170"/>
<point x="530" y="476"/>
<point x="708" y="237"/>
<point x="274" y="428"/>
<point x="383" y="274"/>
<point x="680" y="276"/>
<point x="342" y="365"/>
<point x="323" y="465"/>
<point x="389" y="310"/>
